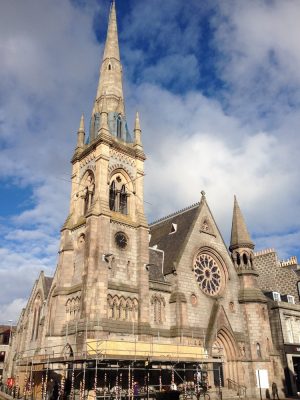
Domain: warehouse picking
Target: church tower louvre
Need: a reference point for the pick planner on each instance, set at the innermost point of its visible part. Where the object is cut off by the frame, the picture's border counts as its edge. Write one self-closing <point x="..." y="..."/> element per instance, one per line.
<point x="104" y="241"/>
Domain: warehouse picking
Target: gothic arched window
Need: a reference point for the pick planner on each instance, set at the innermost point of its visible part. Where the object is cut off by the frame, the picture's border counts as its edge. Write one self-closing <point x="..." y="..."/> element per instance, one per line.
<point x="118" y="196"/>
<point x="112" y="196"/>
<point x="123" y="200"/>
<point x="119" y="126"/>
<point x="37" y="306"/>
<point x="88" y="192"/>
<point x="258" y="350"/>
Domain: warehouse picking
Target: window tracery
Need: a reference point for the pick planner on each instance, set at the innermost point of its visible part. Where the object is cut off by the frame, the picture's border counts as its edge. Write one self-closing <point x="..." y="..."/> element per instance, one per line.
<point x="36" y="309"/>
<point x="73" y="308"/>
<point x="118" y="195"/>
<point x="88" y="192"/>
<point x="158" y="307"/>
<point x="208" y="274"/>
<point x="119" y="127"/>
<point x="121" y="308"/>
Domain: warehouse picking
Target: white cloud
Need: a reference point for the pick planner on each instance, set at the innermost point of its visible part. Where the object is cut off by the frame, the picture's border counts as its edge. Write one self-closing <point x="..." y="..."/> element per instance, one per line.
<point x="11" y="310"/>
<point x="244" y="140"/>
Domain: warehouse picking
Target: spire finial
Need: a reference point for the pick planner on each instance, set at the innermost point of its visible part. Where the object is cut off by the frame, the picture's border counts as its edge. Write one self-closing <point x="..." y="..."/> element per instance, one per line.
<point x="137" y="131"/>
<point x="239" y="233"/>
<point x="81" y="125"/>
<point x="81" y="133"/>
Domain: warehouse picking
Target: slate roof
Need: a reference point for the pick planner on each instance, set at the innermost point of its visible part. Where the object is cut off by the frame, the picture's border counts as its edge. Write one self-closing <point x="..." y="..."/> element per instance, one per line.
<point x="156" y="265"/>
<point x="172" y="243"/>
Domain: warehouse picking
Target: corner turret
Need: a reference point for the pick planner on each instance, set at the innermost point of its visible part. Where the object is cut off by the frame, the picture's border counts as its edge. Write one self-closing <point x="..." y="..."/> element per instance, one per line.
<point x="241" y="245"/>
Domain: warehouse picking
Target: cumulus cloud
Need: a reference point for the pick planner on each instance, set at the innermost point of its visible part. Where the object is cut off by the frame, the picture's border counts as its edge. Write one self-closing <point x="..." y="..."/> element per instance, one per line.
<point x="241" y="139"/>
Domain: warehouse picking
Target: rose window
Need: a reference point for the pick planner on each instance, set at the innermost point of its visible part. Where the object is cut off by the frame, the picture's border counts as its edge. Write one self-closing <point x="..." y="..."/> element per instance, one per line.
<point x="208" y="274"/>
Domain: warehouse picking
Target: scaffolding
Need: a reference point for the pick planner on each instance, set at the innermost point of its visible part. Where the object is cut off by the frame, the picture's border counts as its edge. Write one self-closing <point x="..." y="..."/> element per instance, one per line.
<point x="116" y="370"/>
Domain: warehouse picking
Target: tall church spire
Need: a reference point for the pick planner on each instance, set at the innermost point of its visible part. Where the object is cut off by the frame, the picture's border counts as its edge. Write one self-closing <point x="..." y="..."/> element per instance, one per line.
<point x="239" y="233"/>
<point x="110" y="81"/>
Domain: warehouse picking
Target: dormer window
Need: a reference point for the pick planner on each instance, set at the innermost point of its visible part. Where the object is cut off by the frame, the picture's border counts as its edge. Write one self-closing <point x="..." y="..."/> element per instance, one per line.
<point x="290" y="299"/>
<point x="276" y="296"/>
<point x="173" y="229"/>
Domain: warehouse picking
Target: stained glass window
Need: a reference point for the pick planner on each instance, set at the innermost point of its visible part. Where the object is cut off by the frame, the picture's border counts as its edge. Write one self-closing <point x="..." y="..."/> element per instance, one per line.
<point x="208" y="274"/>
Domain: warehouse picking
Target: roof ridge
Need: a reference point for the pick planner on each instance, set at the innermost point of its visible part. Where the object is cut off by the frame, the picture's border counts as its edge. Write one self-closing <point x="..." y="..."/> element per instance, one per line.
<point x="174" y="213"/>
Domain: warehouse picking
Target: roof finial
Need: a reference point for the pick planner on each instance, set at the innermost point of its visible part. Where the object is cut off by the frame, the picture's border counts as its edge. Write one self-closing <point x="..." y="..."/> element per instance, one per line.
<point x="137" y="131"/>
<point x="203" y="194"/>
<point x="81" y="133"/>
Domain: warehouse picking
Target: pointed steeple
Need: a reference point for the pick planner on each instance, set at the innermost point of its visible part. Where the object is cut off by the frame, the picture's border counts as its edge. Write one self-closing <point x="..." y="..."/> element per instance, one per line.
<point x="239" y="233"/>
<point x="137" y="131"/>
<point x="110" y="81"/>
<point x="81" y="133"/>
<point x="111" y="49"/>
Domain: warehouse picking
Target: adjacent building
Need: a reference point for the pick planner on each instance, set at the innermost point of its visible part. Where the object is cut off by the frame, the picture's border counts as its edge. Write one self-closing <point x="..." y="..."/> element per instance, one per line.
<point x="279" y="281"/>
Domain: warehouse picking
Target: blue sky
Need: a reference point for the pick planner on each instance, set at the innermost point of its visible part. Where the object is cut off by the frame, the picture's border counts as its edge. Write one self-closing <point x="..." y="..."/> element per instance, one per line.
<point x="217" y="85"/>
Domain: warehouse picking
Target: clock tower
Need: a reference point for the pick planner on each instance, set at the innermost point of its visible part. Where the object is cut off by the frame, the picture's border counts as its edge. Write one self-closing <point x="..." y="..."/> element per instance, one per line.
<point x="104" y="241"/>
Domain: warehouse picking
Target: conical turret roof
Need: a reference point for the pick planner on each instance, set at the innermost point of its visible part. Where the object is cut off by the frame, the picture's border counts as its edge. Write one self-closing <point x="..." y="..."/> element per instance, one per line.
<point x="239" y="233"/>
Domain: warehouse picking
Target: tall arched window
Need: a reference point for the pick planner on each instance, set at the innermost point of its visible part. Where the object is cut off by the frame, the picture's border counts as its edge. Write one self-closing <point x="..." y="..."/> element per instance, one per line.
<point x="118" y="195"/>
<point x="258" y="350"/>
<point x="119" y="126"/>
<point x="37" y="306"/>
<point x="123" y="200"/>
<point x="88" y="191"/>
<point x="112" y="196"/>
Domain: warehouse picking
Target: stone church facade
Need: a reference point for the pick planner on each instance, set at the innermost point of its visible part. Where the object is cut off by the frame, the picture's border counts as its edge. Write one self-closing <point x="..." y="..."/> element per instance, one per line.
<point x="121" y="280"/>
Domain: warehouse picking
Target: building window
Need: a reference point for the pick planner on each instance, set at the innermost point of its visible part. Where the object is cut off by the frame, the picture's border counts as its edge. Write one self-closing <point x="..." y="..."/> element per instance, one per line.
<point x="119" y="127"/>
<point x="158" y="306"/>
<point x="112" y="196"/>
<point x="118" y="195"/>
<point x="289" y="330"/>
<point x="297" y="335"/>
<point x="258" y="350"/>
<point x="123" y="200"/>
<point x="290" y="299"/>
<point x="276" y="296"/>
<point x="88" y="192"/>
<point x="37" y="306"/>
<point x="123" y="309"/>
<point x="73" y="308"/>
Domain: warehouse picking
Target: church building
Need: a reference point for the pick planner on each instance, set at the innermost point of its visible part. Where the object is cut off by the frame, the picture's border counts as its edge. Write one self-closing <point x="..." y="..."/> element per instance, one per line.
<point x="159" y="304"/>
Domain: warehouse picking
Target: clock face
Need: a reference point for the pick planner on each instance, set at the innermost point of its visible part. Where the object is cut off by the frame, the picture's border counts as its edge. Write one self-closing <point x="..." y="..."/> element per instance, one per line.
<point x="121" y="240"/>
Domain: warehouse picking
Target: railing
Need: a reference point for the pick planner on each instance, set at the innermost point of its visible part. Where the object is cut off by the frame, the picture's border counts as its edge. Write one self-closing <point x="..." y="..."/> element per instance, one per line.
<point x="239" y="389"/>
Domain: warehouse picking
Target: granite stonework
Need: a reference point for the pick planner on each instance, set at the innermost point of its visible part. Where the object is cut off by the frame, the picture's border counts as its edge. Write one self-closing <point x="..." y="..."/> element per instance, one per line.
<point x="119" y="278"/>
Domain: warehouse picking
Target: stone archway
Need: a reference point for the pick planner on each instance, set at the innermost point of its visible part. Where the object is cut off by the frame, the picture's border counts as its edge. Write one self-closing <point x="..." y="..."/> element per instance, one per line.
<point x="225" y="346"/>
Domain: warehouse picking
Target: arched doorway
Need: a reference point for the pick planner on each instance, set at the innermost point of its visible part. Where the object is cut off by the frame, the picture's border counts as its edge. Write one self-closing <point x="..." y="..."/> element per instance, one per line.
<point x="225" y="347"/>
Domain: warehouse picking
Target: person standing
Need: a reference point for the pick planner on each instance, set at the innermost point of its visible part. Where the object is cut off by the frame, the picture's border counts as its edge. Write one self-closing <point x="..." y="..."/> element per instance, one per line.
<point x="274" y="391"/>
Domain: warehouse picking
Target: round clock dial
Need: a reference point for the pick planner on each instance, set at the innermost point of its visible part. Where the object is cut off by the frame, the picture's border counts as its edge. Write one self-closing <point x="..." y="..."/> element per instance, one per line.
<point x="208" y="274"/>
<point x="121" y="240"/>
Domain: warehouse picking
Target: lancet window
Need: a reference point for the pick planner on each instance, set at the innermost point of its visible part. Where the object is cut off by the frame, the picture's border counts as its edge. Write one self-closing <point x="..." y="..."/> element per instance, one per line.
<point x="73" y="308"/>
<point x="37" y="307"/>
<point x="118" y="195"/>
<point x="88" y="192"/>
<point x="122" y="309"/>
<point x="158" y="308"/>
<point x="119" y="127"/>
